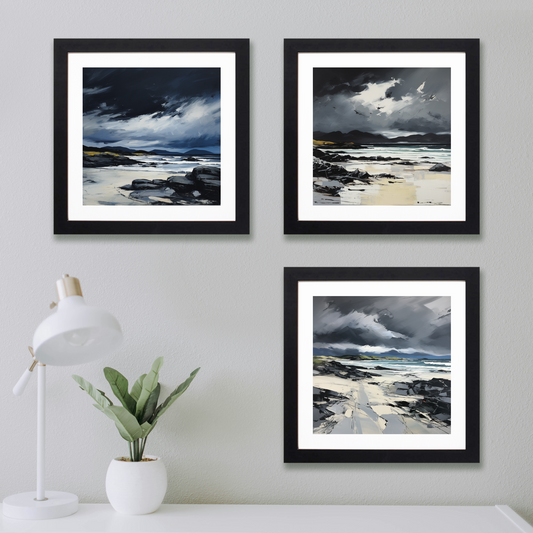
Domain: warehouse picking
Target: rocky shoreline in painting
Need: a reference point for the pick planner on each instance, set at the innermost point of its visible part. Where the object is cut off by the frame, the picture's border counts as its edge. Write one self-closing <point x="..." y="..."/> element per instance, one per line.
<point x="201" y="186"/>
<point x="349" y="397"/>
<point x="198" y="186"/>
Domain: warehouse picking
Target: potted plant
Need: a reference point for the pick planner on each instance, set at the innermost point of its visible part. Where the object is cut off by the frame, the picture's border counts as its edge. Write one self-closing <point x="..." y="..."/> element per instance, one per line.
<point x="135" y="484"/>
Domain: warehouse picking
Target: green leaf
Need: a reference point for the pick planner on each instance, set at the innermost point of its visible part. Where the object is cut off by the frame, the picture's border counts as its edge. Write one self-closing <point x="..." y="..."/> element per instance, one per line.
<point x="119" y="385"/>
<point x="149" y="384"/>
<point x="103" y="394"/>
<point x="92" y="391"/>
<point x="126" y="423"/>
<point x="123" y="433"/>
<point x="174" y="396"/>
<point x="137" y="388"/>
<point x="147" y="428"/>
<point x="151" y="404"/>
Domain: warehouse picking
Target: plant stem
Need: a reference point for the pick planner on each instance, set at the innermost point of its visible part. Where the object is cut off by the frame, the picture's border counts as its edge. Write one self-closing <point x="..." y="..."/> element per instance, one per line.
<point x="131" y="455"/>
<point x="136" y="457"/>
<point x="143" y="445"/>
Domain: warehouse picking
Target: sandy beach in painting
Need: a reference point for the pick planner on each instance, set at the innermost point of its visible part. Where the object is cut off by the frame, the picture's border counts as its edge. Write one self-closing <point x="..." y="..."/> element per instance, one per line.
<point x="102" y="186"/>
<point x="381" y="396"/>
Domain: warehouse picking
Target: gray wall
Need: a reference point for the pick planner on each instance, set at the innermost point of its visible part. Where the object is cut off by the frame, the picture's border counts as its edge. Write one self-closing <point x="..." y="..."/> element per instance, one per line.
<point x="217" y="301"/>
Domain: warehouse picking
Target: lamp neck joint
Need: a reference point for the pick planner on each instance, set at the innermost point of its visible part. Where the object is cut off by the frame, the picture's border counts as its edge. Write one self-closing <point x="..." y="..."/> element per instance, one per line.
<point x="67" y="286"/>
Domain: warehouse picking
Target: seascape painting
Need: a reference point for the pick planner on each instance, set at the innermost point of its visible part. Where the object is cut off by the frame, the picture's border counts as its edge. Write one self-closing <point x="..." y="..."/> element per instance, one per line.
<point x="382" y="136"/>
<point x="151" y="136"/>
<point x="382" y="365"/>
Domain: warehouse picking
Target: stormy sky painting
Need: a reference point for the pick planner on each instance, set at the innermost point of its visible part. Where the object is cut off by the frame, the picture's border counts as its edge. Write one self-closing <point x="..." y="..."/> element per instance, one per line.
<point x="397" y="326"/>
<point x="173" y="109"/>
<point x="389" y="101"/>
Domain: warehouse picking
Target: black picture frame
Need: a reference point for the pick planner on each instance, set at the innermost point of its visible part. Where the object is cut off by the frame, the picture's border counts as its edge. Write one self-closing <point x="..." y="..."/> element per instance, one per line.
<point x="306" y="289"/>
<point x="458" y="214"/>
<point x="231" y="215"/>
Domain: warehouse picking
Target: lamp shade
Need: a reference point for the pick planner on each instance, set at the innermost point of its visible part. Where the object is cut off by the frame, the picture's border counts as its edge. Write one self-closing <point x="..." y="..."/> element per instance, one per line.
<point x="75" y="334"/>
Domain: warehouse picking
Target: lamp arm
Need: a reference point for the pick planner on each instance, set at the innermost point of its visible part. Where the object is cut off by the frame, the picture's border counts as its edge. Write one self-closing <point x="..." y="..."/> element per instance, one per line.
<point x="18" y="389"/>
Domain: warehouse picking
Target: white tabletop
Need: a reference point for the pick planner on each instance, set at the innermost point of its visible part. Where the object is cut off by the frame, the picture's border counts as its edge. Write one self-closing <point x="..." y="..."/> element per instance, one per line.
<point x="93" y="518"/>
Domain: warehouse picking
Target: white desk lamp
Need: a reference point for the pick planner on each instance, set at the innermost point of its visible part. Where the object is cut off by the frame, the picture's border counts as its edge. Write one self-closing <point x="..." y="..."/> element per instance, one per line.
<point x="76" y="333"/>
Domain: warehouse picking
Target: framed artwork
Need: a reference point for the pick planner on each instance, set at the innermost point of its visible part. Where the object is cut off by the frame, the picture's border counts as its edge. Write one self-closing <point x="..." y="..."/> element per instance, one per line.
<point x="151" y="136"/>
<point x="382" y="136"/>
<point x="381" y="365"/>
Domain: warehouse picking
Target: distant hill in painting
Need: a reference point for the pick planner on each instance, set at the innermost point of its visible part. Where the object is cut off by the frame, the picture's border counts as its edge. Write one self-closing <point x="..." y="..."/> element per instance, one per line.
<point x="129" y="151"/>
<point x="361" y="137"/>
<point x="391" y="354"/>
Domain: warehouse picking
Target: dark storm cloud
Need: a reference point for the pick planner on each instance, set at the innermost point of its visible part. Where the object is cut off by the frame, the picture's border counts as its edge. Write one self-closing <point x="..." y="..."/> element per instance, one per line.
<point x="389" y="101"/>
<point x="379" y="324"/>
<point x="169" y="108"/>
<point x="328" y="81"/>
<point x="441" y="332"/>
<point x="130" y="92"/>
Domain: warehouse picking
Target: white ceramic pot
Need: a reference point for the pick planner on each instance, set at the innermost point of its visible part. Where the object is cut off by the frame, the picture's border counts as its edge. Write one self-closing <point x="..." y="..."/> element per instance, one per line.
<point x="136" y="488"/>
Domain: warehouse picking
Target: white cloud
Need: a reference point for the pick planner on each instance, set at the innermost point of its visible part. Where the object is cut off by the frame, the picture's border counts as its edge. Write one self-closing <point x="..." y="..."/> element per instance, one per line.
<point x="355" y="320"/>
<point x="194" y="118"/>
<point x="95" y="90"/>
<point x="375" y="92"/>
<point x="374" y="98"/>
<point x="362" y="349"/>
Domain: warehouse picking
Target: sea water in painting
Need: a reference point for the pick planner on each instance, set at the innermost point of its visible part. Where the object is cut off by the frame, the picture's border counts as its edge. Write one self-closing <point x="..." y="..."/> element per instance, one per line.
<point x="382" y="365"/>
<point x="381" y="136"/>
<point x="151" y="136"/>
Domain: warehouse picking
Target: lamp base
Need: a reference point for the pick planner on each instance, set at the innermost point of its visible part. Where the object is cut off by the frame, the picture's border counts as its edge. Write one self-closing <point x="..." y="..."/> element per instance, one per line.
<point x="24" y="507"/>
